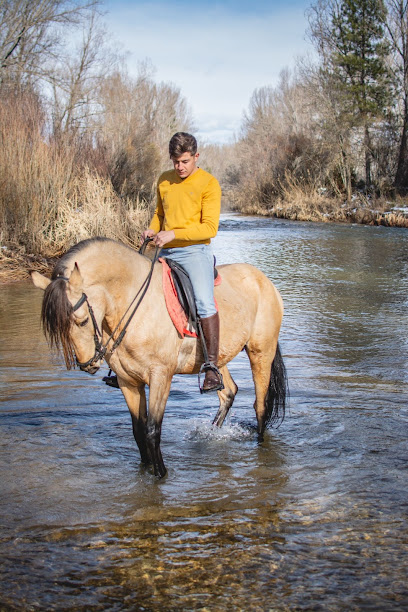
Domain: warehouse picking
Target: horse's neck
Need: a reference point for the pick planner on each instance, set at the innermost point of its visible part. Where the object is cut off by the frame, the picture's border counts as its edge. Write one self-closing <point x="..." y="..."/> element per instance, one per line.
<point x="119" y="266"/>
<point x="116" y="282"/>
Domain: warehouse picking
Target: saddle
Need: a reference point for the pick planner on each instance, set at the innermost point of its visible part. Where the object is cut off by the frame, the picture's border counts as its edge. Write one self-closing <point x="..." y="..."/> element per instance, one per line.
<point x="185" y="295"/>
<point x="184" y="289"/>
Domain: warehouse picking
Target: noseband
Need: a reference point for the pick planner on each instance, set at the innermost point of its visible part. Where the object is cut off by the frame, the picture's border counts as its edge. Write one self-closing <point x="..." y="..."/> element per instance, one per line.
<point x="101" y="349"/>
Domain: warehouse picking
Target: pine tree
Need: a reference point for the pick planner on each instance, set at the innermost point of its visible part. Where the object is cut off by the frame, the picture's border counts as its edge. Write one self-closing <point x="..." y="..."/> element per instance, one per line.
<point x="359" y="63"/>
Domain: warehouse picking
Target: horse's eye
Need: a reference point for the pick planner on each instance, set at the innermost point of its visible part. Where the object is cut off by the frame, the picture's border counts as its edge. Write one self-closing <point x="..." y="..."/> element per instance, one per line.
<point x="84" y="322"/>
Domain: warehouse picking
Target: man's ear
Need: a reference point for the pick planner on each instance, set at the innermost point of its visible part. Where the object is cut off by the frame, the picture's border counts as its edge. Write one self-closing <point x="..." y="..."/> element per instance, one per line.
<point x="39" y="280"/>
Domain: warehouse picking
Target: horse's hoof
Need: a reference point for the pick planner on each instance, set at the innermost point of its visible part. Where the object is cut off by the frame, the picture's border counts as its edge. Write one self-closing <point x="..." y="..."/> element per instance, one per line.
<point x="160" y="472"/>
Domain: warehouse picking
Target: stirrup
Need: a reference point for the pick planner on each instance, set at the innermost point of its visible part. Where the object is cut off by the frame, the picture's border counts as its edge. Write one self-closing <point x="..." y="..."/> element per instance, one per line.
<point x="111" y="381"/>
<point x="204" y="368"/>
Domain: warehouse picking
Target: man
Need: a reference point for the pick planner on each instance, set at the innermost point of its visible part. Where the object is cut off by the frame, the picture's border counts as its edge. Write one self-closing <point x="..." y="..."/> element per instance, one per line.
<point x="185" y="220"/>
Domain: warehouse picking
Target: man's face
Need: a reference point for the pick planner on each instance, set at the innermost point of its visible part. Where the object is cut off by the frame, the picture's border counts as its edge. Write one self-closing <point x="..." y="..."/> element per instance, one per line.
<point x="185" y="164"/>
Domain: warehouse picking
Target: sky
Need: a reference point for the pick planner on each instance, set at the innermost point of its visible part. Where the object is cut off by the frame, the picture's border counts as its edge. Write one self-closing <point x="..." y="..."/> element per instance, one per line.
<point x="216" y="53"/>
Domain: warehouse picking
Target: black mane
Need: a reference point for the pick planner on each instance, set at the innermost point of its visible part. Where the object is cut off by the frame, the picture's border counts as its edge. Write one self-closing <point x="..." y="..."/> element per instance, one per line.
<point x="57" y="311"/>
<point x="61" y="264"/>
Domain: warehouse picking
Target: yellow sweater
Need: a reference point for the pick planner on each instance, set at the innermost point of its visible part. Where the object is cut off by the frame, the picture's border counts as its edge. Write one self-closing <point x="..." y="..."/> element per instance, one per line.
<point x="191" y="207"/>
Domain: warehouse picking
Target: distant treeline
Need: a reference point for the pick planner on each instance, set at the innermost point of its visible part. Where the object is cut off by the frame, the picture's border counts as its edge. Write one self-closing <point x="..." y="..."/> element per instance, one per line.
<point x="330" y="141"/>
<point x="82" y="143"/>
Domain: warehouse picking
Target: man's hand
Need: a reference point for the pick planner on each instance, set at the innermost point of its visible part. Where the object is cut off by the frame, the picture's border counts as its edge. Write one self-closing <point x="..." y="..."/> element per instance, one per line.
<point x="146" y="234"/>
<point x="163" y="237"/>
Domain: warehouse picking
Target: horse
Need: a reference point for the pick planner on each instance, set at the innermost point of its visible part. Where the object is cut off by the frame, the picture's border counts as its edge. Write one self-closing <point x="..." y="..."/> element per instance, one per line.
<point x="85" y="315"/>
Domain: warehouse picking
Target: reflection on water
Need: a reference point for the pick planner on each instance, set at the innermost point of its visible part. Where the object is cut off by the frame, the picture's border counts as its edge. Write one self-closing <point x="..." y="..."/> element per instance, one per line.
<point x="313" y="519"/>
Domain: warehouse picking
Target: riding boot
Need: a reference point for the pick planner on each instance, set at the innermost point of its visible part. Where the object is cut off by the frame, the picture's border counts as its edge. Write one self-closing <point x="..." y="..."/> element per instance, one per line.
<point x="211" y="331"/>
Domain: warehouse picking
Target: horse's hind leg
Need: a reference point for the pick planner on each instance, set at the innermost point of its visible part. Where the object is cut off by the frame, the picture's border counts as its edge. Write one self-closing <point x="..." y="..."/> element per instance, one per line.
<point x="226" y="396"/>
<point x="261" y="365"/>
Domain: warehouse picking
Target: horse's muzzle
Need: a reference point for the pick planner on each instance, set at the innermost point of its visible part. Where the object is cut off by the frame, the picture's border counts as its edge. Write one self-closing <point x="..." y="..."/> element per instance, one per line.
<point x="90" y="369"/>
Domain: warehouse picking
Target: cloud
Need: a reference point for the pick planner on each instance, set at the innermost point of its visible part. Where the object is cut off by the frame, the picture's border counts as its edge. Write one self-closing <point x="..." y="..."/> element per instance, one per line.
<point x="217" y="56"/>
<point x="217" y="128"/>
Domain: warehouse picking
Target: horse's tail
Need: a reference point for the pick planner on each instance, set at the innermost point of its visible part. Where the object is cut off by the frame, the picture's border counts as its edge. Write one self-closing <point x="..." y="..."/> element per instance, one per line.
<point x="278" y="391"/>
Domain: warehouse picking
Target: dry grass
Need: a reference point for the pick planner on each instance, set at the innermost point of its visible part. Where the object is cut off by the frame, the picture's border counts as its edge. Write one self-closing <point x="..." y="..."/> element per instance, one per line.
<point x="48" y="201"/>
<point x="94" y="209"/>
<point x="15" y="264"/>
<point x="306" y="202"/>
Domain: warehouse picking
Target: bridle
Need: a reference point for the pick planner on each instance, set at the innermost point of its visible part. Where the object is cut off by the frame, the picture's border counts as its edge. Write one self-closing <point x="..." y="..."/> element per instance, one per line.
<point x="100" y="348"/>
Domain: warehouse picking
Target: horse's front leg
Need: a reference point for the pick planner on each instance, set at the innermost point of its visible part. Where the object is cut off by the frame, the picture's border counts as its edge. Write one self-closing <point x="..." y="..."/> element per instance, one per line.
<point x="135" y="397"/>
<point x="159" y="390"/>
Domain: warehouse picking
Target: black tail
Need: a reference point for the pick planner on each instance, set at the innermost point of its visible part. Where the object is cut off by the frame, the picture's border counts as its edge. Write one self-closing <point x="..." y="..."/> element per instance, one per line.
<point x="278" y="391"/>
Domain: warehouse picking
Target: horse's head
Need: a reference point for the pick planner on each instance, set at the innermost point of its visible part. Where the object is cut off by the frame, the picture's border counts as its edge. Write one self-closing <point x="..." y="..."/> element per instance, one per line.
<point x="69" y="322"/>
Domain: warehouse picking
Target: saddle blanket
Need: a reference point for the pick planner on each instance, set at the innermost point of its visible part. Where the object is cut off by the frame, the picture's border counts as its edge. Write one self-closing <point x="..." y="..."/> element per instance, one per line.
<point x="174" y="308"/>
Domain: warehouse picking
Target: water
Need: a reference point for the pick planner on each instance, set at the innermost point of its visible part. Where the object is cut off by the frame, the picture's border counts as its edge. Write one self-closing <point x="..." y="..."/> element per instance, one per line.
<point x="315" y="518"/>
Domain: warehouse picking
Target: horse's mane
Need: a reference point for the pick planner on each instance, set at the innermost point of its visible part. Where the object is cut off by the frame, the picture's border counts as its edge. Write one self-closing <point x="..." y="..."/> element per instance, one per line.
<point x="61" y="265"/>
<point x="57" y="311"/>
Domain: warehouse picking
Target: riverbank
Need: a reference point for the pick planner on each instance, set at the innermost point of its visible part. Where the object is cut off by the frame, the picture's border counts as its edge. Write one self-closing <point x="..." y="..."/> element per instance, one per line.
<point x="16" y="263"/>
<point x="361" y="210"/>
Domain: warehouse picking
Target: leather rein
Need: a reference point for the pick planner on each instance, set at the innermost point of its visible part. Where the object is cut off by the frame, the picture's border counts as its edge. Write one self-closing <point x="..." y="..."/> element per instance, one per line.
<point x="100" y="348"/>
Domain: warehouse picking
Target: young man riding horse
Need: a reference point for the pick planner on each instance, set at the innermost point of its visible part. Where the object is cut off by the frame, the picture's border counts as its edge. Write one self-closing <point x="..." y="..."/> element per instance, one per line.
<point x="185" y="220"/>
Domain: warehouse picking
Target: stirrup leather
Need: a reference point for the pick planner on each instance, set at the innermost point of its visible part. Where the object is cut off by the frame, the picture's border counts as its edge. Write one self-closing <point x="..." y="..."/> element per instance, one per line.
<point x="210" y="366"/>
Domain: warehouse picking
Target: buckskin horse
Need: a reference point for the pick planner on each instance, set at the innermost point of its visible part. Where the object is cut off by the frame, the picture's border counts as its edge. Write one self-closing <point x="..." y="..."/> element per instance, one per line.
<point x="85" y="313"/>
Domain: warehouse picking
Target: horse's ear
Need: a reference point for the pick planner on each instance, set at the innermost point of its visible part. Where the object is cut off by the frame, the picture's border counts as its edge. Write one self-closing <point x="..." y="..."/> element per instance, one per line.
<point x="75" y="282"/>
<point x="39" y="280"/>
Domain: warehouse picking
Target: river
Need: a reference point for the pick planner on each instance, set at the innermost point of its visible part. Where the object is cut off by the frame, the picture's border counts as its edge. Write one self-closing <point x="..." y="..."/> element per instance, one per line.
<point x="315" y="518"/>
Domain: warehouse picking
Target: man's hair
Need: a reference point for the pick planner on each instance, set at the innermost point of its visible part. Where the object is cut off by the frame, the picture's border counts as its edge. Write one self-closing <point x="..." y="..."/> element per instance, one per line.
<point x="182" y="143"/>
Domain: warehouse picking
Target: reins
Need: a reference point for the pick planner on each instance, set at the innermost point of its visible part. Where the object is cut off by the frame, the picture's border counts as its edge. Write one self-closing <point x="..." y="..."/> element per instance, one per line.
<point x="101" y="349"/>
<point x="143" y="290"/>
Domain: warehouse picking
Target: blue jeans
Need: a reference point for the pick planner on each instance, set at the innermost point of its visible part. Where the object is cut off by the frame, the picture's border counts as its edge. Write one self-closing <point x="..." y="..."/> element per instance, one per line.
<point x="198" y="262"/>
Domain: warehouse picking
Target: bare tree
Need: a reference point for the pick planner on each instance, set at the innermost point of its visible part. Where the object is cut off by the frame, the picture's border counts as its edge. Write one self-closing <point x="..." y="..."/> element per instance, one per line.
<point x="76" y="79"/>
<point x="332" y="135"/>
<point x="29" y="34"/>
<point x="139" y="117"/>
<point x="397" y="28"/>
<point x="277" y="140"/>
